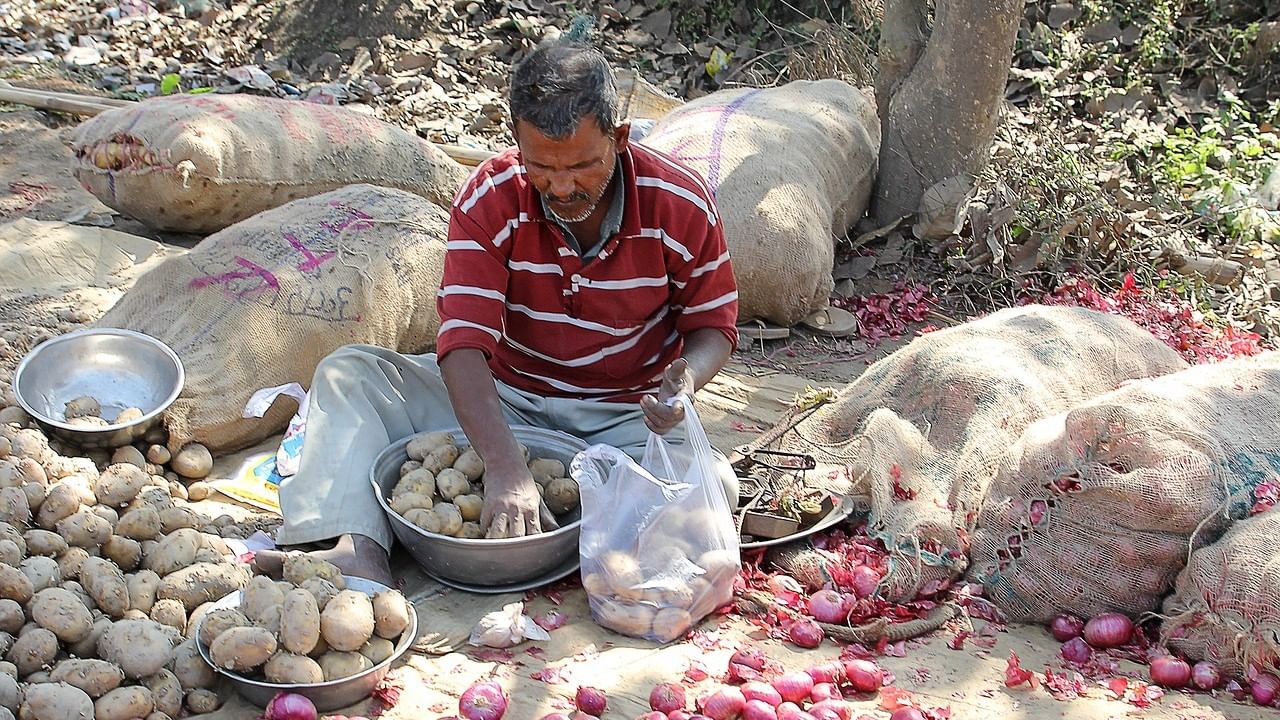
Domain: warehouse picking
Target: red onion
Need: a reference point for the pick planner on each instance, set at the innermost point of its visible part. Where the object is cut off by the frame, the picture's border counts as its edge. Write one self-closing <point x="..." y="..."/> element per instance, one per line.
<point x="558" y="716"/>
<point x="907" y="713"/>
<point x="724" y="704"/>
<point x="746" y="665"/>
<point x="1076" y="650"/>
<point x="1264" y="688"/>
<point x="1108" y="630"/>
<point x="805" y="633"/>
<point x="825" y="691"/>
<point x="590" y="701"/>
<point x="864" y="675"/>
<point x="290" y="706"/>
<point x="823" y="713"/>
<point x="1205" y="675"/>
<point x="832" y="672"/>
<point x="1039" y="508"/>
<point x="794" y="687"/>
<point x="759" y="710"/>
<point x="667" y="698"/>
<point x="1065" y="627"/>
<point x="827" y="606"/>
<point x="680" y="715"/>
<point x="653" y="715"/>
<point x="840" y="709"/>
<point x="792" y="711"/>
<point x="1170" y="671"/>
<point x="865" y="581"/>
<point x="763" y="692"/>
<point x="483" y="701"/>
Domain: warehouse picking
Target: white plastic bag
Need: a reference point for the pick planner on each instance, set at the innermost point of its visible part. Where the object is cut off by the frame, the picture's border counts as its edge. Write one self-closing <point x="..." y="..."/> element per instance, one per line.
<point x="658" y="544"/>
<point x="506" y="628"/>
<point x="289" y="453"/>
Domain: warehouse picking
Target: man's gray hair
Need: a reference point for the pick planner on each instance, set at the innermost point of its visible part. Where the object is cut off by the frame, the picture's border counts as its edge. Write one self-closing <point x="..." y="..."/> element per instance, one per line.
<point x="559" y="84"/>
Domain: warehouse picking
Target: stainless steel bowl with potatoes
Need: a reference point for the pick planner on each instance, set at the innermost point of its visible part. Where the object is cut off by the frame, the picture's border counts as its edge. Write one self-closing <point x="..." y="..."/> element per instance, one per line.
<point x="431" y="486"/>
<point x="317" y="632"/>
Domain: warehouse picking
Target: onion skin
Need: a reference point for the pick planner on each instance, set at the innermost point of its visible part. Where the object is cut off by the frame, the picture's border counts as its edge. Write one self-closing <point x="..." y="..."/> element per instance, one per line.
<point x="1066" y="627"/>
<point x="667" y="698"/>
<point x="1205" y="675"/>
<point x="653" y="715"/>
<point x="1170" y="672"/>
<point x="1108" y="630"/>
<point x="1076" y="650"/>
<point x="863" y="675"/>
<point x="827" y="606"/>
<point x="1264" y="689"/>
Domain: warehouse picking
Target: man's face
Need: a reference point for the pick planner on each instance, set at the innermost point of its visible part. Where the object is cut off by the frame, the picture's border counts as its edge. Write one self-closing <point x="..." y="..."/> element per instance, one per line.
<point x="571" y="173"/>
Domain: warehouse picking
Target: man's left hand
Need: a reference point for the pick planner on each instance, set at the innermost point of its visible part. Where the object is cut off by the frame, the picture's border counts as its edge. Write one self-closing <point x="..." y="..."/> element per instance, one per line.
<point x="658" y="415"/>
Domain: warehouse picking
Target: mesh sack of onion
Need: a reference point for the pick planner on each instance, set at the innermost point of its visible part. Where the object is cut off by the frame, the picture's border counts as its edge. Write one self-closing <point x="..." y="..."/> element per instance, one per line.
<point x="921" y="431"/>
<point x="1095" y="509"/>
<point x="1225" y="607"/>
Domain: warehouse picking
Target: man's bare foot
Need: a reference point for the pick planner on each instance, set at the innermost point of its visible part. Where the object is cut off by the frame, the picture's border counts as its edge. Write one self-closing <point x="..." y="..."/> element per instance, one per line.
<point x="356" y="555"/>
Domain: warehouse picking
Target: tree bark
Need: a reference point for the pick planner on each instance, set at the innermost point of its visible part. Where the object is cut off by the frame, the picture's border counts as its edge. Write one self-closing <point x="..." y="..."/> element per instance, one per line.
<point x="939" y="108"/>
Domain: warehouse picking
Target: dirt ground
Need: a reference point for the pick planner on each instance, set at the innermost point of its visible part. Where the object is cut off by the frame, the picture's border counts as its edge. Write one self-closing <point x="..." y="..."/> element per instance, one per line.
<point x="750" y="396"/>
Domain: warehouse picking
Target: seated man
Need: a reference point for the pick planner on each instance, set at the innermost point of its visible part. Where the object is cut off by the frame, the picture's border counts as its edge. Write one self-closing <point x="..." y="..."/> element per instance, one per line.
<point x="586" y="283"/>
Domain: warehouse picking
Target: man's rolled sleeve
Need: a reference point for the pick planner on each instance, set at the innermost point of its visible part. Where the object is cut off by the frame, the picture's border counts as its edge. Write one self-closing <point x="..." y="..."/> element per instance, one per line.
<point x="472" y="298"/>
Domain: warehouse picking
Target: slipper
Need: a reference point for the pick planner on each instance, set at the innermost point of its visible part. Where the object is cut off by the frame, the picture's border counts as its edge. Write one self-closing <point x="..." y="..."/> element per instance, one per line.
<point x="760" y="330"/>
<point x="832" y="322"/>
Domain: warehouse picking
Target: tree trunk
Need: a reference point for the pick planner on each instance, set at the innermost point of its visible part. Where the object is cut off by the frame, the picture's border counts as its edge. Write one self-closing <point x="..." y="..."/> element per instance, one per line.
<point x="938" y="94"/>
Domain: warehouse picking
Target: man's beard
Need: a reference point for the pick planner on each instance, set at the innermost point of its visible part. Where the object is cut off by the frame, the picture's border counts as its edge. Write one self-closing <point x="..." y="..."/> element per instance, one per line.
<point x="582" y="196"/>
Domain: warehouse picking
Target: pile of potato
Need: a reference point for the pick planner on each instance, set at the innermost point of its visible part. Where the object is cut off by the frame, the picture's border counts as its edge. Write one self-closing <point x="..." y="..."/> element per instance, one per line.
<point x="308" y="628"/>
<point x="104" y="571"/>
<point x="671" y="579"/>
<point x="441" y="486"/>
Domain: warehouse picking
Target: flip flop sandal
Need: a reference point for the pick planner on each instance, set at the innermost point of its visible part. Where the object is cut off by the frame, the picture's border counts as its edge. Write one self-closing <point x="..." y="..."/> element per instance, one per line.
<point x="760" y="330"/>
<point x="832" y="322"/>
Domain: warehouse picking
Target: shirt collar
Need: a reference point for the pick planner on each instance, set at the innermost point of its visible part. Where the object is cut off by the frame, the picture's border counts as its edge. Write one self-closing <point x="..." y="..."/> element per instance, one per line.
<point x="612" y="223"/>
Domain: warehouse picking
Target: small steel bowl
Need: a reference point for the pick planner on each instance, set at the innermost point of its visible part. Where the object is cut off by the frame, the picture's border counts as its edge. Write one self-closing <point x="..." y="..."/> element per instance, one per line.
<point x="120" y="368"/>
<point x="326" y="696"/>
<point x="484" y="562"/>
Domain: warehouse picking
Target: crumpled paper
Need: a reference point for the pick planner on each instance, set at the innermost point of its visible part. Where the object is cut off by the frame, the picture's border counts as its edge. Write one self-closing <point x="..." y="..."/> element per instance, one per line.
<point x="506" y="628"/>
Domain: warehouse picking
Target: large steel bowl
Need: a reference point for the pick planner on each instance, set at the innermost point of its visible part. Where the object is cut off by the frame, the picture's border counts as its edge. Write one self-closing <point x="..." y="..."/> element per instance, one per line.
<point x="484" y="562"/>
<point x="120" y="368"/>
<point x="326" y="696"/>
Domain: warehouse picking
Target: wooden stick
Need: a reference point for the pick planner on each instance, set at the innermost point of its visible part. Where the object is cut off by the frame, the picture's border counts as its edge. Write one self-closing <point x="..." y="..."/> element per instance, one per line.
<point x="50" y="102"/>
<point x="89" y="105"/>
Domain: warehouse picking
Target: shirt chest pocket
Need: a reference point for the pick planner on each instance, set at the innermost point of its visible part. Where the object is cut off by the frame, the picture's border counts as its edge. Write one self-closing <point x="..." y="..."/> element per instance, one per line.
<point x="623" y="315"/>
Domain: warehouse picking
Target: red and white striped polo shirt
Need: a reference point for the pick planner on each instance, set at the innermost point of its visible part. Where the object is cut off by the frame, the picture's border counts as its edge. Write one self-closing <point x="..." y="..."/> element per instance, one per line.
<point x="550" y="325"/>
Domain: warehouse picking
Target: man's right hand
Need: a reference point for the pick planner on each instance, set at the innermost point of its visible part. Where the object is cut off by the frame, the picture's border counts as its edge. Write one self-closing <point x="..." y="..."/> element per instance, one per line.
<point x="511" y="504"/>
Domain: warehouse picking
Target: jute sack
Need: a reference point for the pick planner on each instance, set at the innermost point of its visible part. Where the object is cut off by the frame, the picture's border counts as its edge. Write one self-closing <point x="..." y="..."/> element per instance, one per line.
<point x="260" y="303"/>
<point x="791" y="169"/>
<point x="1225" y="606"/>
<point x="199" y="163"/>
<point x="920" y="431"/>
<point x="1096" y="509"/>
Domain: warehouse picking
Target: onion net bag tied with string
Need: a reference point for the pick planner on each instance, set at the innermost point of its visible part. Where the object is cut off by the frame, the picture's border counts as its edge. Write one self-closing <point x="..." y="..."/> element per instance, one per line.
<point x="1097" y="508"/>
<point x="262" y="302"/>
<point x="920" y="432"/>
<point x="1225" y="606"/>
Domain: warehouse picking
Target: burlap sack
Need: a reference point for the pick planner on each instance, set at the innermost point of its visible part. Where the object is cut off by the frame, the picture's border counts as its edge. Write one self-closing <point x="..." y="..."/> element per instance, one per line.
<point x="260" y="303"/>
<point x="1225" y="606"/>
<point x="199" y="163"/>
<point x="791" y="168"/>
<point x="1096" y="509"/>
<point x="920" y="432"/>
